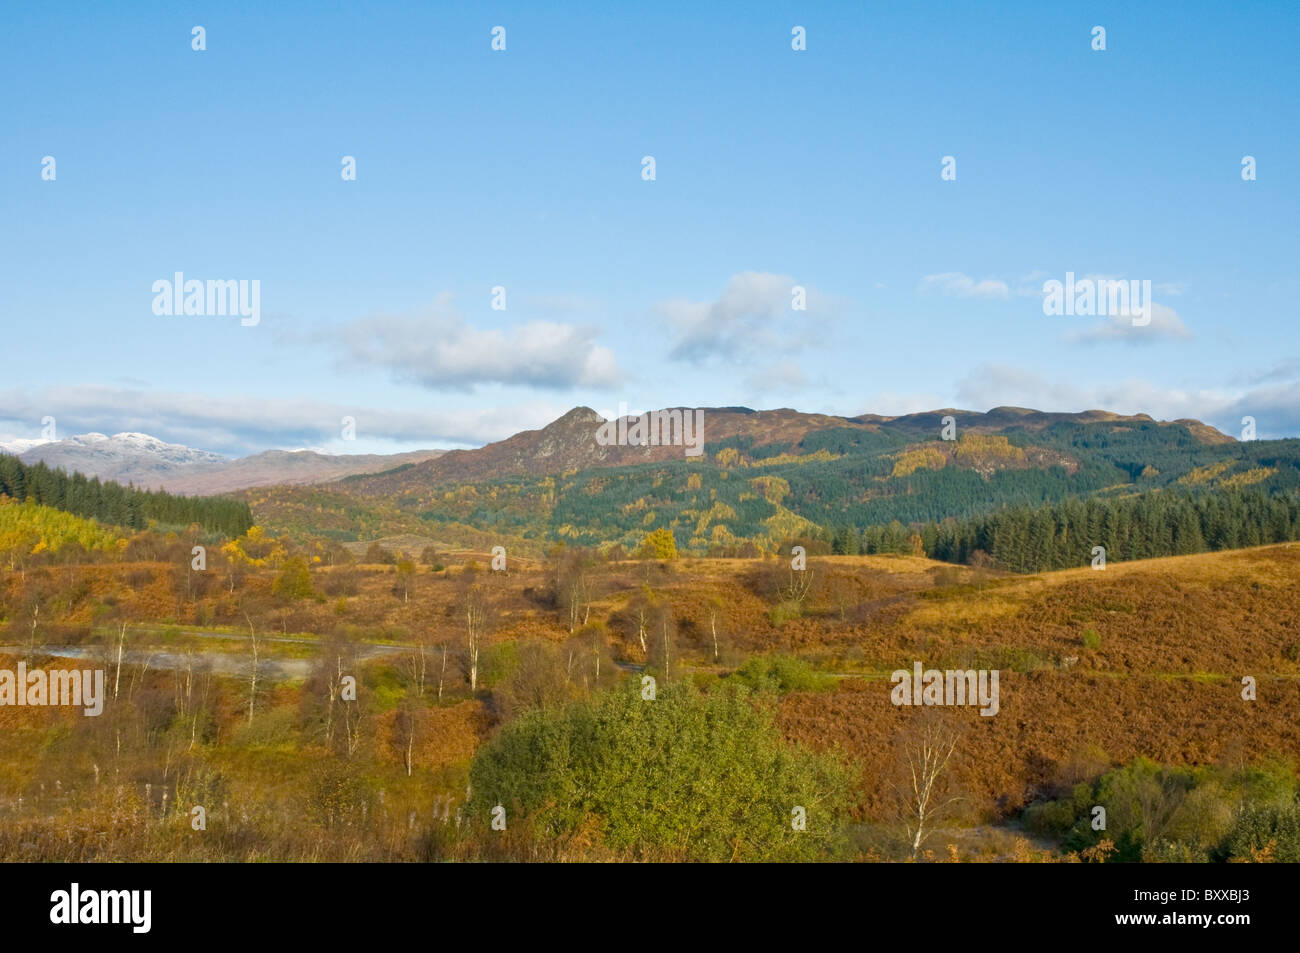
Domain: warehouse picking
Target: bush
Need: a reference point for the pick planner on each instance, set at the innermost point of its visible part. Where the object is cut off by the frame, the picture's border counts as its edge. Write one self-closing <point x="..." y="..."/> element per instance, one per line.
<point x="1091" y="639"/>
<point x="1204" y="818"/>
<point x="784" y="612"/>
<point x="1265" y="830"/>
<point x="687" y="775"/>
<point x="780" y="673"/>
<point x="1180" y="815"/>
<point x="525" y="675"/>
<point x="1050" y="818"/>
<point x="294" y="581"/>
<point x="336" y="794"/>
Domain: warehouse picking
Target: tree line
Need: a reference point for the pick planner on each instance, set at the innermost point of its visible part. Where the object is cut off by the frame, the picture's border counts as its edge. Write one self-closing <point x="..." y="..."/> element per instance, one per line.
<point x="113" y="504"/>
<point x="1062" y="535"/>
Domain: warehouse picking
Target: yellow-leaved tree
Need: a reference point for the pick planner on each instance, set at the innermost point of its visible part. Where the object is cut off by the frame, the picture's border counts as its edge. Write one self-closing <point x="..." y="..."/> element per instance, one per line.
<point x="659" y="545"/>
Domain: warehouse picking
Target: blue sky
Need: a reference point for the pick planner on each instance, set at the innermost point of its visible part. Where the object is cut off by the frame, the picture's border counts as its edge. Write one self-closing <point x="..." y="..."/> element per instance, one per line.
<point x="522" y="169"/>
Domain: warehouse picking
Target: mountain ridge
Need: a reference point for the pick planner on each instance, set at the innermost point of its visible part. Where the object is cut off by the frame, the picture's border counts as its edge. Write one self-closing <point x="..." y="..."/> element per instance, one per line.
<point x="568" y="442"/>
<point x="153" y="464"/>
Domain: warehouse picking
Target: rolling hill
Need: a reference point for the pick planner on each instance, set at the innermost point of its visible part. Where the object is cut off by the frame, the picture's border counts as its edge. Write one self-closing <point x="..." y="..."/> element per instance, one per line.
<point x="767" y="476"/>
<point x="569" y="443"/>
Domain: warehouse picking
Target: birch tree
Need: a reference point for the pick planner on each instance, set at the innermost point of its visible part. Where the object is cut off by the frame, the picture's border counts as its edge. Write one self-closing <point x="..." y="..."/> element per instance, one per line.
<point x="255" y="648"/>
<point x="474" y="613"/>
<point x="417" y="665"/>
<point x="924" y="790"/>
<point x="714" y="607"/>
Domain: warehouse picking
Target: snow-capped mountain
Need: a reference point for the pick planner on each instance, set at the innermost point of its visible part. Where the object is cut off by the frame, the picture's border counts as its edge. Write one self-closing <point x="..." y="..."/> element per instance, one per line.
<point x="125" y="457"/>
<point x="20" y="444"/>
<point x="151" y="463"/>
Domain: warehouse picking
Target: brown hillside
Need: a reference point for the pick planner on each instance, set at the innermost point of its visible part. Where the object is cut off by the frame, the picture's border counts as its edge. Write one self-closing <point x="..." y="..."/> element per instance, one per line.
<point x="569" y="443"/>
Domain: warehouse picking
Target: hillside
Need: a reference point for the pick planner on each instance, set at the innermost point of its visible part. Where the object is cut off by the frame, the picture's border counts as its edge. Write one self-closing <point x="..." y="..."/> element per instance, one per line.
<point x="767" y="476"/>
<point x="569" y="443"/>
<point x="1144" y="659"/>
<point x="288" y="467"/>
<point x="27" y="528"/>
<point x="113" y="504"/>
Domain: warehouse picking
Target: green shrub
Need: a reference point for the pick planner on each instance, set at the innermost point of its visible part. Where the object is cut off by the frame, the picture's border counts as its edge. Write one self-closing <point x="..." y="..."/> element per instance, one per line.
<point x="1270" y="782"/>
<point x="1259" y="826"/>
<point x="1167" y="814"/>
<point x="779" y="673"/>
<point x="1204" y="817"/>
<point x="785" y="612"/>
<point x="686" y="775"/>
<point x="294" y="581"/>
<point x="1050" y="818"/>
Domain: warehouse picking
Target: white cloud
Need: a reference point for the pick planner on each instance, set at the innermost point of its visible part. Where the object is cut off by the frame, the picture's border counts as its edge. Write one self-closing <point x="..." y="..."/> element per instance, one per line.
<point x="1286" y="370"/>
<point x="783" y="376"/>
<point x="1276" y="409"/>
<point x="438" y="349"/>
<point x="956" y="285"/>
<point x="739" y="323"/>
<point x="239" y="425"/>
<point x="992" y="385"/>
<point x="1165" y="323"/>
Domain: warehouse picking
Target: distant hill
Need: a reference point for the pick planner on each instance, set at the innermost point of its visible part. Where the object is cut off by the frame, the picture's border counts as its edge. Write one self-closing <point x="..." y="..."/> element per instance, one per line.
<point x="149" y="463"/>
<point x="124" y="458"/>
<point x="766" y="477"/>
<point x="759" y="479"/>
<point x="277" y="467"/>
<point x="1003" y="419"/>
<point x="569" y="443"/>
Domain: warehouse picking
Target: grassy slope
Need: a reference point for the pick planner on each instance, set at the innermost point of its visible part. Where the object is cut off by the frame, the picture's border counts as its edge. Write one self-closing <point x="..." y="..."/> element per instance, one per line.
<point x="1176" y="635"/>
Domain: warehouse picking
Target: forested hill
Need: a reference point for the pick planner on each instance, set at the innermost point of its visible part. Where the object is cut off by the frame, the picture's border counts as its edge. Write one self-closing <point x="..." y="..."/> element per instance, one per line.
<point x="116" y="505"/>
<point x="570" y="443"/>
<point x="778" y="474"/>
